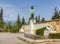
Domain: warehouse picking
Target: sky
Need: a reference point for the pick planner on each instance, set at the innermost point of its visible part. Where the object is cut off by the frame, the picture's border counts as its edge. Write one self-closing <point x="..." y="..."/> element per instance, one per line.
<point x="44" y="8"/>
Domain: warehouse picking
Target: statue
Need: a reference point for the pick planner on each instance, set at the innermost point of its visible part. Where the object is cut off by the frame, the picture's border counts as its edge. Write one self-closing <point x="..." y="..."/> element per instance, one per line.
<point x="49" y="29"/>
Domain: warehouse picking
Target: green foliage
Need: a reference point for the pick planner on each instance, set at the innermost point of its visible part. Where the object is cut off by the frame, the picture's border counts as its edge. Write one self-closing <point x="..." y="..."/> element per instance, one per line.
<point x="43" y="19"/>
<point x="6" y="30"/>
<point x="40" y="31"/>
<point x="7" y="27"/>
<point x="18" y="22"/>
<point x="36" y="19"/>
<point x="59" y="13"/>
<point x="54" y="35"/>
<point x="56" y="14"/>
<point x="1" y="24"/>
<point x="15" y="29"/>
<point x="23" y="21"/>
<point x="1" y="18"/>
<point x="1" y="31"/>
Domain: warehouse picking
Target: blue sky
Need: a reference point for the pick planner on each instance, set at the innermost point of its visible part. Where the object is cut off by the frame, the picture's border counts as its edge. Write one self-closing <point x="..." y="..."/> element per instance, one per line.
<point x="44" y="8"/>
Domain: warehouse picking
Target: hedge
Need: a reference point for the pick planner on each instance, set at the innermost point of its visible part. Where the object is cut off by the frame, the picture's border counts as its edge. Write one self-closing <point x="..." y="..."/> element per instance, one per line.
<point x="14" y="30"/>
<point x="54" y="35"/>
<point x="1" y="31"/>
<point x="40" y="31"/>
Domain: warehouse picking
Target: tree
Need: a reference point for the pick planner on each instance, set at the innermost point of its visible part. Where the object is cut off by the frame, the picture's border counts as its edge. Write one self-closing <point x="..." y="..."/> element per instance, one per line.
<point x="23" y="21"/>
<point x="18" y="22"/>
<point x="56" y="14"/>
<point x="1" y="18"/>
<point x="59" y="13"/>
<point x="43" y="19"/>
<point x="38" y="18"/>
<point x="8" y="27"/>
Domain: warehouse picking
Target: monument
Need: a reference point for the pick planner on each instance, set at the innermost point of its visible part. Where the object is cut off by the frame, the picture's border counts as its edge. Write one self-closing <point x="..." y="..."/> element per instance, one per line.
<point x="49" y="29"/>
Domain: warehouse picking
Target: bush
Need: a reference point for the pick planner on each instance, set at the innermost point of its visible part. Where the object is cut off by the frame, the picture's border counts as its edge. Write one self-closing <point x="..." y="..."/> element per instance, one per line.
<point x="0" y="30"/>
<point x="14" y="30"/>
<point x="54" y="35"/>
<point x="5" y="30"/>
<point x="40" y="31"/>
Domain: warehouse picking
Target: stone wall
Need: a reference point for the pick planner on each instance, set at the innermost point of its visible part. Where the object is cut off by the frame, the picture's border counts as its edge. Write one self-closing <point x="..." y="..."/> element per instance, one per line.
<point x="55" y="24"/>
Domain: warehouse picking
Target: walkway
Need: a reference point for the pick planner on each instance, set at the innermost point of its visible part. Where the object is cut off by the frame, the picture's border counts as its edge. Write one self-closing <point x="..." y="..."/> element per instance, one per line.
<point x="10" y="38"/>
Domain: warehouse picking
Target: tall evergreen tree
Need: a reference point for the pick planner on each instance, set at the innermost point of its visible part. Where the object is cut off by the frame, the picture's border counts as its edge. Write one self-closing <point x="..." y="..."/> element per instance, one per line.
<point x="9" y="24"/>
<point x="23" y="21"/>
<point x="56" y="14"/>
<point x="59" y="13"/>
<point x="18" y="21"/>
<point x="9" y="27"/>
<point x="43" y="19"/>
<point x="1" y="18"/>
<point x="38" y="18"/>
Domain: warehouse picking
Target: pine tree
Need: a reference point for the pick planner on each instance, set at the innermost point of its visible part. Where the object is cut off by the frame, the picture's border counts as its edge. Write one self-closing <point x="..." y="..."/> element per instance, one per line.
<point x="56" y="14"/>
<point x="9" y="26"/>
<point x="23" y="21"/>
<point x="18" y="21"/>
<point x="38" y="18"/>
<point x="59" y="13"/>
<point x="43" y="19"/>
<point x="1" y="18"/>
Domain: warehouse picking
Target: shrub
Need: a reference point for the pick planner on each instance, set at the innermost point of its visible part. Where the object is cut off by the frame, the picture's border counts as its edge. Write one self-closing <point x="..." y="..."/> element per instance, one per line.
<point x="40" y="31"/>
<point x="0" y="30"/>
<point x="54" y="35"/>
<point x="5" y="30"/>
<point x="14" y="30"/>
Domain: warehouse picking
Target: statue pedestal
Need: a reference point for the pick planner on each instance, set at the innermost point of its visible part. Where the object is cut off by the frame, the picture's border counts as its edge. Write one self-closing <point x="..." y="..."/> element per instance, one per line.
<point x="32" y="36"/>
<point x="29" y="36"/>
<point x="30" y="33"/>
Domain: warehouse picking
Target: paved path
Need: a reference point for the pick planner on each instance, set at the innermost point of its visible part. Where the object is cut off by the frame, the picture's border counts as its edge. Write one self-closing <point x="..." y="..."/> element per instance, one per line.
<point x="10" y="38"/>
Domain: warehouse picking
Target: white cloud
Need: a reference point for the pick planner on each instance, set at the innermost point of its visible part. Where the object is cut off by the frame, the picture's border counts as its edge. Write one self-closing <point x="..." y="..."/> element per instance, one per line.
<point x="10" y="12"/>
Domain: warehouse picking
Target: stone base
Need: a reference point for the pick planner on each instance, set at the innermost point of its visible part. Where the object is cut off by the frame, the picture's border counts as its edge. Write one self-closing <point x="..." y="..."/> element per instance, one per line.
<point x="32" y="36"/>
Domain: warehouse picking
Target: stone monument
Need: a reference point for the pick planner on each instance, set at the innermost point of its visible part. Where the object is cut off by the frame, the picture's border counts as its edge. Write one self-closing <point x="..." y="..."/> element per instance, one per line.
<point x="49" y="29"/>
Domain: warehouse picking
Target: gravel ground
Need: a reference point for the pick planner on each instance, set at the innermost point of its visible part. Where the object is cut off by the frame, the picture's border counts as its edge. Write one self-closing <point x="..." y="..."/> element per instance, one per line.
<point x="10" y="38"/>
